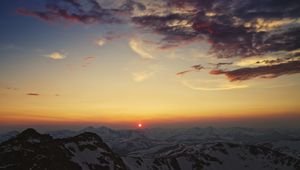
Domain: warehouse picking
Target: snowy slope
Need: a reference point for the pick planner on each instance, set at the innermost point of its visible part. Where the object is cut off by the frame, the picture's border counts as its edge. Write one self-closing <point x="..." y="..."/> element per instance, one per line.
<point x="214" y="156"/>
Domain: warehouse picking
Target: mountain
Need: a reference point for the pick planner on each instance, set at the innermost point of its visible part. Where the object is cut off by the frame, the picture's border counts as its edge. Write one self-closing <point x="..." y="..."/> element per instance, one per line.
<point x="152" y="149"/>
<point x="121" y="141"/>
<point x="34" y="151"/>
<point x="126" y="141"/>
<point x="212" y="156"/>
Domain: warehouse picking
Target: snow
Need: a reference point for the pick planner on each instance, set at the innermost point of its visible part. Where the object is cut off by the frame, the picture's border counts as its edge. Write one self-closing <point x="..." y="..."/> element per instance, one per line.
<point x="86" y="157"/>
<point x="217" y="156"/>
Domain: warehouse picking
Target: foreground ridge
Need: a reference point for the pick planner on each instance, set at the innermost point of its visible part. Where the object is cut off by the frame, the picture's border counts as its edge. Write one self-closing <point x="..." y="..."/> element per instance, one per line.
<point x="32" y="150"/>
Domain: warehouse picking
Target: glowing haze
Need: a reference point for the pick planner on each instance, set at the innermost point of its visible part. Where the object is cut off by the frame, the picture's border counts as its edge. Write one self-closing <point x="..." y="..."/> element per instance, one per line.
<point x="162" y="62"/>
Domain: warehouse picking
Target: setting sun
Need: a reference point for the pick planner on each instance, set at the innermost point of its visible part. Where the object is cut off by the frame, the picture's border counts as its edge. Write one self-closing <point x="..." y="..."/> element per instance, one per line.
<point x="140" y="125"/>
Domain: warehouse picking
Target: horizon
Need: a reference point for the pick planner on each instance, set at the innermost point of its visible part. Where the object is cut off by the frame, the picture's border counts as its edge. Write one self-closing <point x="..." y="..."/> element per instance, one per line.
<point x="172" y="63"/>
<point x="43" y="130"/>
<point x="277" y="124"/>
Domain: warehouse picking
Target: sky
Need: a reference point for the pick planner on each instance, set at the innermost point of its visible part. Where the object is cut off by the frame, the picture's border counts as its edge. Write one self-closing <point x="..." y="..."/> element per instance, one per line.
<point x="157" y="62"/>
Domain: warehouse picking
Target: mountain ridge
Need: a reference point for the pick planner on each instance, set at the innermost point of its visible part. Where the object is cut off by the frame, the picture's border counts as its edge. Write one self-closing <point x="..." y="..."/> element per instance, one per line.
<point x="182" y="149"/>
<point x="32" y="150"/>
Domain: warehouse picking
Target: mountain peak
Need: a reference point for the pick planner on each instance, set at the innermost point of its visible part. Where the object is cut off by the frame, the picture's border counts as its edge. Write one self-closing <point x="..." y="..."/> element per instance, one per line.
<point x="30" y="132"/>
<point x="89" y="135"/>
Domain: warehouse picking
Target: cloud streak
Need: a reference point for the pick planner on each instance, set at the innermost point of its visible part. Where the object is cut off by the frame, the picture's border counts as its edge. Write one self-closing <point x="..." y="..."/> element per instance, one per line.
<point x="33" y="94"/>
<point x="211" y="85"/>
<point x="270" y="71"/>
<point x="193" y="69"/>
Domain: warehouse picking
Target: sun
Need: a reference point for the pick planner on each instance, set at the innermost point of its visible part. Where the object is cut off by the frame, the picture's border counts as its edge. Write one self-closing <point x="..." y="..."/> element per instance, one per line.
<point x="140" y="125"/>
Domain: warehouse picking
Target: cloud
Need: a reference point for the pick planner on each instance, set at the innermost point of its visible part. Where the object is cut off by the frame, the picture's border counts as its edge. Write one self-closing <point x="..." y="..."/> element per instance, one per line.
<point x="88" y="60"/>
<point x="269" y="59"/>
<point x="56" y="12"/>
<point x="56" y="56"/>
<point x="137" y="46"/>
<point x="110" y="36"/>
<point x="85" y="11"/>
<point x="101" y="42"/>
<point x="211" y="85"/>
<point x="144" y="71"/>
<point x="33" y="94"/>
<point x="141" y="76"/>
<point x="269" y="71"/>
<point x="228" y="30"/>
<point x="193" y="69"/>
<point x="236" y="29"/>
<point x="221" y="64"/>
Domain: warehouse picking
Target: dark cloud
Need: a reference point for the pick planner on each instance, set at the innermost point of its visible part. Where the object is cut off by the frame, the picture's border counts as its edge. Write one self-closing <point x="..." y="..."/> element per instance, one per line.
<point x="270" y="71"/>
<point x="224" y="25"/>
<point x="33" y="94"/>
<point x="234" y="29"/>
<point x="87" y="12"/>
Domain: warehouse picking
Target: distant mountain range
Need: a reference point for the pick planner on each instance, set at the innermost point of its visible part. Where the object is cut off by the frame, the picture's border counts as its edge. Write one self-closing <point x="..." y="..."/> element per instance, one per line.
<point x="151" y="149"/>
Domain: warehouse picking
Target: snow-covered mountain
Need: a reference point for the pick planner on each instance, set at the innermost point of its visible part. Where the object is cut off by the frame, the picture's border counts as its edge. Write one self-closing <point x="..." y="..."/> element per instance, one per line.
<point x="212" y="156"/>
<point x="33" y="151"/>
<point x="153" y="149"/>
<point x="126" y="141"/>
<point x="121" y="141"/>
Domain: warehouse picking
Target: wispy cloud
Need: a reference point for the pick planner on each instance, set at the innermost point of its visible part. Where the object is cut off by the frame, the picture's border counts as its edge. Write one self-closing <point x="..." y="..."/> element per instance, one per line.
<point x="145" y="72"/>
<point x="56" y="56"/>
<point x="137" y="46"/>
<point x="141" y="76"/>
<point x="211" y="85"/>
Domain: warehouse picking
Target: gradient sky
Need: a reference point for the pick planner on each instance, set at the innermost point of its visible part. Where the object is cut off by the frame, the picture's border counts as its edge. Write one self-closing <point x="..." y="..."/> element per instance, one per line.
<point x="159" y="62"/>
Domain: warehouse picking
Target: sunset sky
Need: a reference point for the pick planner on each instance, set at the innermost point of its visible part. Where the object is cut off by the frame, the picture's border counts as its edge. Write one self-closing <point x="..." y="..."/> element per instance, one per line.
<point x="156" y="62"/>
